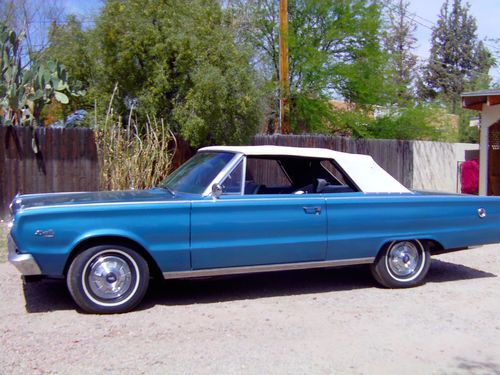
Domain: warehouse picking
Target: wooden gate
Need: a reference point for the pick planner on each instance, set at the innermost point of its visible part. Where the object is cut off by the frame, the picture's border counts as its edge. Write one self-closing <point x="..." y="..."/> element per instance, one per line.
<point x="494" y="160"/>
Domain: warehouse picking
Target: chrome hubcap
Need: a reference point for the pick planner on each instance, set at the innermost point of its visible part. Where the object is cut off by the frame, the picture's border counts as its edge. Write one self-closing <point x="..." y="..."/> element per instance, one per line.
<point x="109" y="277"/>
<point x="403" y="259"/>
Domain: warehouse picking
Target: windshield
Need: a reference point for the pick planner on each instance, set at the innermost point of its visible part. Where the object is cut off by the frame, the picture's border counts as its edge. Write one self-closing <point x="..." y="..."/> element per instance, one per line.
<point x="197" y="173"/>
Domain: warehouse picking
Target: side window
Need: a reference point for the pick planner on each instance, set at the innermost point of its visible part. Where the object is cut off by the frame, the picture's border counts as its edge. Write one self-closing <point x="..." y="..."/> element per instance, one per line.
<point x="339" y="176"/>
<point x="266" y="172"/>
<point x="266" y="176"/>
<point x="232" y="183"/>
<point x="338" y="182"/>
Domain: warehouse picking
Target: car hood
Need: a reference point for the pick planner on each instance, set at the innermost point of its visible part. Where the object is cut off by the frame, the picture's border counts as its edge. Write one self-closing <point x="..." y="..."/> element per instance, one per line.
<point x="58" y="199"/>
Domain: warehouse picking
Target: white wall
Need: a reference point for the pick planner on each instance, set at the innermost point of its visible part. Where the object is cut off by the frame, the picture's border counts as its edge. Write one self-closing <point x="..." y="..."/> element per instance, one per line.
<point x="435" y="165"/>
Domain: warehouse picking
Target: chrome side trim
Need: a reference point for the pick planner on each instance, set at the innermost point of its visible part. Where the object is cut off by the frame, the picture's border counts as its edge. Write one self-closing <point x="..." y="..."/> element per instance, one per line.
<point x="331" y="197"/>
<point x="266" y="268"/>
<point x="25" y="263"/>
<point x="80" y="205"/>
<point x="83" y="205"/>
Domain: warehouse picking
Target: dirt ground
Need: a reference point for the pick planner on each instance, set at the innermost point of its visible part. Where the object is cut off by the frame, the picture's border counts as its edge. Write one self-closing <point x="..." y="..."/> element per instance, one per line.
<point x="302" y="322"/>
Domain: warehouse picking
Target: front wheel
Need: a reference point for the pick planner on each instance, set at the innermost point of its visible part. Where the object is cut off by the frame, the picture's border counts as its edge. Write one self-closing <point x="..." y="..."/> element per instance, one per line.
<point x="108" y="279"/>
<point x="402" y="264"/>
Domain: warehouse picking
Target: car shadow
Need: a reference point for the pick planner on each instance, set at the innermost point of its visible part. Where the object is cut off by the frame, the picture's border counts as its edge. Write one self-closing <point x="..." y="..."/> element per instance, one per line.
<point x="51" y="295"/>
<point x="259" y="285"/>
<point x="47" y="295"/>
<point x="286" y="283"/>
<point x="478" y="367"/>
<point x="441" y="271"/>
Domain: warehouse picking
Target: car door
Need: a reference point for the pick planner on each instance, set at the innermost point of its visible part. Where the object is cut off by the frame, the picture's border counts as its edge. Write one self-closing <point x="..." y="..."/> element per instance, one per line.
<point x="248" y="230"/>
<point x="256" y="229"/>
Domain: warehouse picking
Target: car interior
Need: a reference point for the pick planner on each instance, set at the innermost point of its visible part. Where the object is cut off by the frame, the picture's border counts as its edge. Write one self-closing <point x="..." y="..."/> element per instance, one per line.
<point x="295" y="175"/>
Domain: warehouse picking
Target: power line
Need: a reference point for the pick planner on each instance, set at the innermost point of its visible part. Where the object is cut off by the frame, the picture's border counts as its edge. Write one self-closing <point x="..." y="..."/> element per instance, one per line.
<point x="431" y="28"/>
<point x="49" y="22"/>
<point x="411" y="16"/>
<point x="407" y="16"/>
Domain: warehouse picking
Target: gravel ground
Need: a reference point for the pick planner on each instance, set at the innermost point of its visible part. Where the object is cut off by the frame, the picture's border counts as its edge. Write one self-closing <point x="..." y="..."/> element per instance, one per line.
<point x="3" y="241"/>
<point x="301" y="322"/>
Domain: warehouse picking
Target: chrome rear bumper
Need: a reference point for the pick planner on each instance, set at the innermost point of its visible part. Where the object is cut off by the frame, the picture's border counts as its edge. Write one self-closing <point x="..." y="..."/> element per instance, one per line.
<point x="25" y="263"/>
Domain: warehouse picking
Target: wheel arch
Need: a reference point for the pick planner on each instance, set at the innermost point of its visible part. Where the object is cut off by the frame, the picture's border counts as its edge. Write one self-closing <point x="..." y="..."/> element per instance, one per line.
<point x="431" y="244"/>
<point x="113" y="240"/>
<point x="434" y="246"/>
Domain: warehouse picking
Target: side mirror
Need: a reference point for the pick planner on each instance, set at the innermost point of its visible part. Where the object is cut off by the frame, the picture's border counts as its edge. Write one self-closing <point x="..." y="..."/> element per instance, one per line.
<point x="216" y="190"/>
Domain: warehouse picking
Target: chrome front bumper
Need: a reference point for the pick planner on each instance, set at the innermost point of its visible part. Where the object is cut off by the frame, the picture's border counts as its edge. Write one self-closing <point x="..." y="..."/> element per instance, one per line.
<point x="25" y="263"/>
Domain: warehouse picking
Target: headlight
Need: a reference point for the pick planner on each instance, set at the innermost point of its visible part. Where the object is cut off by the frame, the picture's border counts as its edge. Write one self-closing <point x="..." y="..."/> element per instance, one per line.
<point x="10" y="222"/>
<point x="15" y="205"/>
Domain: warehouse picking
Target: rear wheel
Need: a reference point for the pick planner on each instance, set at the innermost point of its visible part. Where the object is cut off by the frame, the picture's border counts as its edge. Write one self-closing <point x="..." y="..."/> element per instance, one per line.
<point x="402" y="264"/>
<point x="108" y="279"/>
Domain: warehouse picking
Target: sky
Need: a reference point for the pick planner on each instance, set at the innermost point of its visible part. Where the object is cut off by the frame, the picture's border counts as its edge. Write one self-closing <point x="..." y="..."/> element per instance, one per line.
<point x="82" y="7"/>
<point x="486" y="13"/>
<point x="425" y="13"/>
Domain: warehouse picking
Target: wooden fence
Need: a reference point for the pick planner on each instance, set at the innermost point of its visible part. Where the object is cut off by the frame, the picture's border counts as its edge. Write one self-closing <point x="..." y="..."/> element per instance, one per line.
<point x="66" y="160"/>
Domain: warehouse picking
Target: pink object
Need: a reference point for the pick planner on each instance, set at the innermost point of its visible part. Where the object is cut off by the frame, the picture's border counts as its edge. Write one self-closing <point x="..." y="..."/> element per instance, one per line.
<point x="470" y="176"/>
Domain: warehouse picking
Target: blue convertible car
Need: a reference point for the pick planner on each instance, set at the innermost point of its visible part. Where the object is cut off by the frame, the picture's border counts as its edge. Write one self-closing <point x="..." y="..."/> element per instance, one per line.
<point x="231" y="210"/>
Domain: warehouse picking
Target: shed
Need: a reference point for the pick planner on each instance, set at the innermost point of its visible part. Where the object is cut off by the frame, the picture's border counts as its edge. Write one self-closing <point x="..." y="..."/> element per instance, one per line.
<point x="488" y="102"/>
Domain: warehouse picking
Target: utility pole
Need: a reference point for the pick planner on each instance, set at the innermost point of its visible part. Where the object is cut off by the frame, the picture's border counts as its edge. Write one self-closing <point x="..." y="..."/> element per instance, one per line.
<point x="284" y="125"/>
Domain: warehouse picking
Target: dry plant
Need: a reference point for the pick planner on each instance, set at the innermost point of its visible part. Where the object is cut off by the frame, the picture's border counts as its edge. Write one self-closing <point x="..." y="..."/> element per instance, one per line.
<point x="133" y="157"/>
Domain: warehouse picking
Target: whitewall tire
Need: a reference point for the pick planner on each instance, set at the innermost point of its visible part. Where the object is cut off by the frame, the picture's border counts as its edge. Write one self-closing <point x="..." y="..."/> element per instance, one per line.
<point x="108" y="279"/>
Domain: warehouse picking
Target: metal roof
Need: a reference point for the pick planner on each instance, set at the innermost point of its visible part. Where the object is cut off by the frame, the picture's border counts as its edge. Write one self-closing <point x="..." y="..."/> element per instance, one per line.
<point x="476" y="99"/>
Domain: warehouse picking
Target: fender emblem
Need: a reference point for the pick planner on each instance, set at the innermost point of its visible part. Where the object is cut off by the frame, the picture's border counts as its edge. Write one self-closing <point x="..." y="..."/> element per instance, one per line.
<point x="481" y="212"/>
<point x="44" y="233"/>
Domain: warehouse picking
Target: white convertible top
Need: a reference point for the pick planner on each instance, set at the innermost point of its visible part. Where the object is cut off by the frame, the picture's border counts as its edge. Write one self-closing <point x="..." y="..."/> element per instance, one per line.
<point x="362" y="169"/>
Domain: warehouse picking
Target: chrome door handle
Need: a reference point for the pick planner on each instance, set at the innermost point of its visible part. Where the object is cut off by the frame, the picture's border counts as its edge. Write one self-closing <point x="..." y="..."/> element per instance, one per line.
<point x="312" y="210"/>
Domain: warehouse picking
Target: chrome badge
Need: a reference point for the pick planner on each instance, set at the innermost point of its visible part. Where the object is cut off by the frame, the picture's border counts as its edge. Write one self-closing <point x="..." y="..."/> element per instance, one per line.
<point x="44" y="233"/>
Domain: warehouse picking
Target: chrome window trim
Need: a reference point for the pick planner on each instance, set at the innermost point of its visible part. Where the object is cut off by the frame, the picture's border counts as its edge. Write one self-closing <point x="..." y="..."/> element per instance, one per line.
<point x="266" y="268"/>
<point x="243" y="175"/>
<point x="223" y="173"/>
<point x="237" y="165"/>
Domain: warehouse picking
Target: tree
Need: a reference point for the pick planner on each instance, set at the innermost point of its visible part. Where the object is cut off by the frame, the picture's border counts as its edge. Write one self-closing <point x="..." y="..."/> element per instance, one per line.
<point x="177" y="60"/>
<point x="334" y="49"/>
<point x="495" y="43"/>
<point x="458" y="60"/>
<point x="400" y="42"/>
<point x="71" y="46"/>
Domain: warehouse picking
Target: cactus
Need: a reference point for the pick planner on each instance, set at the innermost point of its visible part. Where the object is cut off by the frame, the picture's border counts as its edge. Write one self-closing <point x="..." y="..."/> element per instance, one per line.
<point x="24" y="92"/>
<point x="11" y="92"/>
